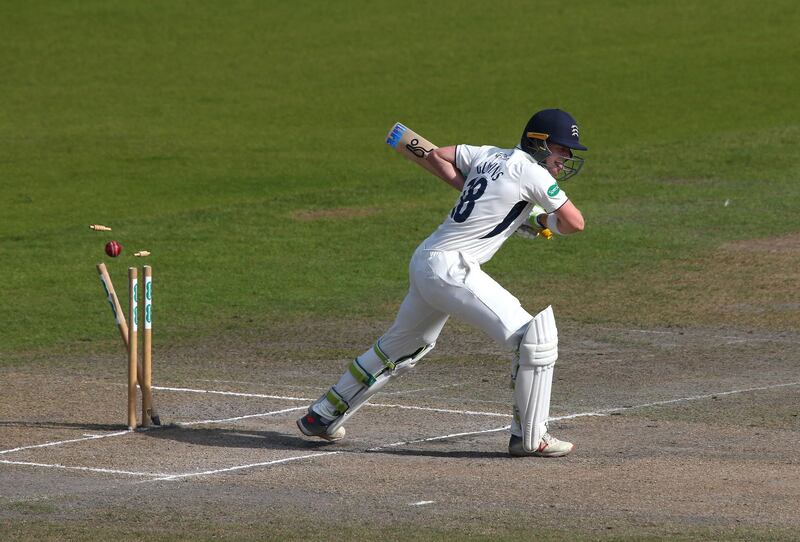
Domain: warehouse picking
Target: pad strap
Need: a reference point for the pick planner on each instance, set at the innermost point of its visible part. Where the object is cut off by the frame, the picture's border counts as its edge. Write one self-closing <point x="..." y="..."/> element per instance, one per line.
<point x="369" y="383"/>
<point x="389" y="364"/>
<point x="337" y="401"/>
<point x="361" y="374"/>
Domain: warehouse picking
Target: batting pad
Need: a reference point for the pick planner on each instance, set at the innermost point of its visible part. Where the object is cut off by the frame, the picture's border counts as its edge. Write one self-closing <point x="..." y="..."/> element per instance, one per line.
<point x="372" y="371"/>
<point x="538" y="352"/>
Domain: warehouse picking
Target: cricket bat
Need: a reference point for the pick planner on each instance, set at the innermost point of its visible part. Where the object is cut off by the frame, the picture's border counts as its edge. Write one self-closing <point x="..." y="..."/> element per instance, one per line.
<point x="411" y="145"/>
<point x="416" y="148"/>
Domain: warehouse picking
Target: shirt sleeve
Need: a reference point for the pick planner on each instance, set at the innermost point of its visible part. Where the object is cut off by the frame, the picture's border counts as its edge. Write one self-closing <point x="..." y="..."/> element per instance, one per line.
<point x="465" y="156"/>
<point x="538" y="186"/>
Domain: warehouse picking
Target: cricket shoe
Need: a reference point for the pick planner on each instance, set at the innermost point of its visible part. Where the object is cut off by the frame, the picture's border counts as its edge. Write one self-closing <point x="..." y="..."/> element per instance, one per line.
<point x="312" y="425"/>
<point x="549" y="446"/>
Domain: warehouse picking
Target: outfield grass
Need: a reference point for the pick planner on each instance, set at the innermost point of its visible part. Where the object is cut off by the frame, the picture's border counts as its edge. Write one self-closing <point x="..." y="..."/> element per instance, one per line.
<point x="242" y="143"/>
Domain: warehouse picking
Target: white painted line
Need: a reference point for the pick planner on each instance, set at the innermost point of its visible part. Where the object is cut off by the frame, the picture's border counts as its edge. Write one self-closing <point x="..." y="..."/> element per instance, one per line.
<point x="381" y="405"/>
<point x="737" y="339"/>
<point x="167" y="477"/>
<point x="601" y="412"/>
<point x="59" y="442"/>
<point x="250" y="383"/>
<point x="694" y="398"/>
<point x="637" y="330"/>
<point x="151" y="428"/>
<point x="241" y="467"/>
<point x="260" y="415"/>
<point x="233" y="393"/>
<point x="604" y="411"/>
<point x="651" y="331"/>
<point x="89" y="469"/>
<point x="404" y="443"/>
<point x="443" y="410"/>
<point x="401" y="392"/>
<point x="420" y="503"/>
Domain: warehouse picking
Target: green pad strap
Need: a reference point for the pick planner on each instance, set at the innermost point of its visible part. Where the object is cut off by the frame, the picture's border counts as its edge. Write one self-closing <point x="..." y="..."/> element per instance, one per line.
<point x="338" y="403"/>
<point x="361" y="374"/>
<point x="384" y="358"/>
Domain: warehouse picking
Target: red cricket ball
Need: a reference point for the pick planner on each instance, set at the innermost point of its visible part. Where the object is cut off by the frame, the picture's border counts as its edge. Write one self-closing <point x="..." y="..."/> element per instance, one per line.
<point x="113" y="249"/>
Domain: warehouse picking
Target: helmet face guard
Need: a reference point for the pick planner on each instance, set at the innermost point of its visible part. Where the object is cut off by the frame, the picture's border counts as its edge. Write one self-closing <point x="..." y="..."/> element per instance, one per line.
<point x="535" y="144"/>
<point x="571" y="167"/>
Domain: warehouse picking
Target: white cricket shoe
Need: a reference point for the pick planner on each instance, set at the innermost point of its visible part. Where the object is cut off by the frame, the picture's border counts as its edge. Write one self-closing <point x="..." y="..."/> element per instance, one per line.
<point x="549" y="446"/>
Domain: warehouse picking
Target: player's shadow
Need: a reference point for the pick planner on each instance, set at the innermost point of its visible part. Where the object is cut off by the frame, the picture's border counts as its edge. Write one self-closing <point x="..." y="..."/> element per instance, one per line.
<point x="273" y="440"/>
<point x="234" y="438"/>
<point x="63" y="425"/>
<point x="446" y="454"/>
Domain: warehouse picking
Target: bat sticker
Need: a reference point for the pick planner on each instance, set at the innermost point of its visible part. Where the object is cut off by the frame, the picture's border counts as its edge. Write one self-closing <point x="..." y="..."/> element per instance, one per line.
<point x="418" y="151"/>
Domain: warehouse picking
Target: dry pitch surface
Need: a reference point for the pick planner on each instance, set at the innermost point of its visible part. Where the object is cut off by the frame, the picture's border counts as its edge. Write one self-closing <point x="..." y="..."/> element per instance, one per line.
<point x="678" y="432"/>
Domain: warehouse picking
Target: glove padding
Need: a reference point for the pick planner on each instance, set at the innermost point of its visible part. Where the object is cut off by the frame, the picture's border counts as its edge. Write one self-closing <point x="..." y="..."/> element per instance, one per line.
<point x="532" y="229"/>
<point x="529" y="232"/>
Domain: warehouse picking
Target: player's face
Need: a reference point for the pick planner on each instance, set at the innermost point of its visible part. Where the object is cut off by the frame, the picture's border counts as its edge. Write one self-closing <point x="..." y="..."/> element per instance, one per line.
<point x="555" y="162"/>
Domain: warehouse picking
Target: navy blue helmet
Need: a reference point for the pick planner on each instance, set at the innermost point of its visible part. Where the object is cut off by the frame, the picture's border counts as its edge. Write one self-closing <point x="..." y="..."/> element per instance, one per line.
<point x="553" y="126"/>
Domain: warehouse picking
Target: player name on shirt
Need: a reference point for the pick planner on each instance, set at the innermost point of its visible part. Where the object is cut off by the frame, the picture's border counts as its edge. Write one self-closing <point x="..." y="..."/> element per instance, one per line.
<point x="493" y="167"/>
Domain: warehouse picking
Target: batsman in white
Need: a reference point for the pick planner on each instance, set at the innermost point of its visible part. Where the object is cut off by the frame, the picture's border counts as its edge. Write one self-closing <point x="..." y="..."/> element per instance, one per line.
<point x="500" y="190"/>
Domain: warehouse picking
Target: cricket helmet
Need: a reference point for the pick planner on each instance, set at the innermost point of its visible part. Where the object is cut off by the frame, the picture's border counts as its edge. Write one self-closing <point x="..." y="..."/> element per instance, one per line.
<point x="556" y="126"/>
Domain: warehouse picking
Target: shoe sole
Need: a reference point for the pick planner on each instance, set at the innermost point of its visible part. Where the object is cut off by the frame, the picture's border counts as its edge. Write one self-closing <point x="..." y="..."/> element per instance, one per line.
<point x="324" y="436"/>
<point x="523" y="453"/>
<point x="539" y="454"/>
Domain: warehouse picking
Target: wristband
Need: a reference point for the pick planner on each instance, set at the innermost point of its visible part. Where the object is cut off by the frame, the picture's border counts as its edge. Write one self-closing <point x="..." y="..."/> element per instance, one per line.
<point x="534" y="222"/>
<point x="552" y="223"/>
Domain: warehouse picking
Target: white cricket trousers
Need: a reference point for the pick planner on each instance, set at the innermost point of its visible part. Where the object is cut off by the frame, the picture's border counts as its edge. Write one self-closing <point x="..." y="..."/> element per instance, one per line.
<point x="446" y="283"/>
<point x="442" y="283"/>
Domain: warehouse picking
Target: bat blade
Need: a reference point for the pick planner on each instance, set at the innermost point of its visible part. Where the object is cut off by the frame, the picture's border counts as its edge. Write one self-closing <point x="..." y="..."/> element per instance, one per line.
<point x="411" y="145"/>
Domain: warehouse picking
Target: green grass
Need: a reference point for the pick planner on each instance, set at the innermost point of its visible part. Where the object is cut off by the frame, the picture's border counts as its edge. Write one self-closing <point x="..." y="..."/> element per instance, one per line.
<point x="198" y="130"/>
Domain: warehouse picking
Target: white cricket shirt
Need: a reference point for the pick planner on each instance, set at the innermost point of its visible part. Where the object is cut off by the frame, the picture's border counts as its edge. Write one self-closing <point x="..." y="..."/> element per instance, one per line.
<point x="501" y="187"/>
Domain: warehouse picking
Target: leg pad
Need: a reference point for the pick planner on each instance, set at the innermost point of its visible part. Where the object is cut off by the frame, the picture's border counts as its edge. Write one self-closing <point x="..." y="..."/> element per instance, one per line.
<point x="371" y="371"/>
<point x="533" y="377"/>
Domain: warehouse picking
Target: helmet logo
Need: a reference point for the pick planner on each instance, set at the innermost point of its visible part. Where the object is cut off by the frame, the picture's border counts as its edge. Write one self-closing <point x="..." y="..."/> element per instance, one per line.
<point x="575" y="130"/>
